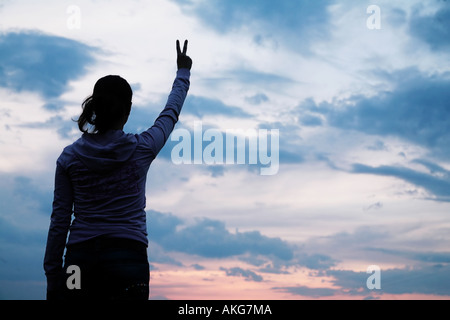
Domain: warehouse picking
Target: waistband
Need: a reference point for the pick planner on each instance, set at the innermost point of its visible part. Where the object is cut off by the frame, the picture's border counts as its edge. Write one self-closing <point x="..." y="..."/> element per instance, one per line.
<point x="102" y="243"/>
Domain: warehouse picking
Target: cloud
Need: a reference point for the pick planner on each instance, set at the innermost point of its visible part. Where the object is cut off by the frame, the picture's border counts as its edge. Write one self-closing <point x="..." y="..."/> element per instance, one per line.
<point x="316" y="261"/>
<point x="248" y="275"/>
<point x="197" y="266"/>
<point x="291" y="148"/>
<point x="422" y="272"/>
<point x="431" y="279"/>
<point x="288" y="20"/>
<point x="21" y="256"/>
<point x="431" y="257"/>
<point x="209" y="238"/>
<point x="310" y="120"/>
<point x="257" y="99"/>
<point x="378" y="146"/>
<point x="308" y="291"/>
<point x="412" y="108"/>
<point x="25" y="207"/>
<point x="374" y="206"/>
<point x="26" y="190"/>
<point x="159" y="255"/>
<point x="433" y="29"/>
<point x="201" y="106"/>
<point x="213" y="149"/>
<point x="143" y="117"/>
<point x="25" y="199"/>
<point x="258" y="79"/>
<point x="249" y="78"/>
<point x="63" y="126"/>
<point x="416" y="110"/>
<point x="438" y="186"/>
<point x="162" y="225"/>
<point x="42" y="63"/>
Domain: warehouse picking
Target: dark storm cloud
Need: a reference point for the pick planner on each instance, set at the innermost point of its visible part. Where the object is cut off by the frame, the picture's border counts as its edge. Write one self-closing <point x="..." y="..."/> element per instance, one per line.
<point x="210" y="238"/>
<point x="42" y="63"/>
<point x="433" y="29"/>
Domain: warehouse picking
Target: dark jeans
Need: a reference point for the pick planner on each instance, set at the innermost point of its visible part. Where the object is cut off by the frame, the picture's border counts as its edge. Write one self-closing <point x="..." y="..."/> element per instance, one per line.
<point x="109" y="268"/>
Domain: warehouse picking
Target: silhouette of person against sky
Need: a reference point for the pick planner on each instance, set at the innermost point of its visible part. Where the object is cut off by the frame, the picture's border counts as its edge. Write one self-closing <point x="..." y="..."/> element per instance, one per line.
<point x="101" y="179"/>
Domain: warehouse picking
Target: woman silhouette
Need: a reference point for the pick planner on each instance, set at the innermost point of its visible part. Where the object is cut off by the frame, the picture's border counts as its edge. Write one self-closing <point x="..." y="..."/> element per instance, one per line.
<point x="101" y="179"/>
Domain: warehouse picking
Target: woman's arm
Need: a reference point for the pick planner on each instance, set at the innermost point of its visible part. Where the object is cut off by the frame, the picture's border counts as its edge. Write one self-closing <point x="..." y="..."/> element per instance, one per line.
<point x="157" y="135"/>
<point x="59" y="227"/>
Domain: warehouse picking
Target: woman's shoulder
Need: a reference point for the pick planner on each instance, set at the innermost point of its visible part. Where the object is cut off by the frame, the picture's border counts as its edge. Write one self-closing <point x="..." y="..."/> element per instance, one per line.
<point x="68" y="154"/>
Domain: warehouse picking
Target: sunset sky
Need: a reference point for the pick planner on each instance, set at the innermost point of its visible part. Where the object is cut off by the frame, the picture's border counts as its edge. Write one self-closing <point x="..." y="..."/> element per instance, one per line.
<point x="358" y="90"/>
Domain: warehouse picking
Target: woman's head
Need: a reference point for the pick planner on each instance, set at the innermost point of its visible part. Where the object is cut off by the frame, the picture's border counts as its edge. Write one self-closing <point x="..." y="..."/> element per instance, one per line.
<point x="108" y="107"/>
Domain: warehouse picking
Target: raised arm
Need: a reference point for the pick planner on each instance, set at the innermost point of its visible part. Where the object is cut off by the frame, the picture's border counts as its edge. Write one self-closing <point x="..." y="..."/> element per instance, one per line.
<point x="157" y="135"/>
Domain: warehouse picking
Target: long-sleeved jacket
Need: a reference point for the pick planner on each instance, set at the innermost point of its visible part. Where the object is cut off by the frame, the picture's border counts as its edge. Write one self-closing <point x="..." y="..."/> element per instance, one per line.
<point x="101" y="179"/>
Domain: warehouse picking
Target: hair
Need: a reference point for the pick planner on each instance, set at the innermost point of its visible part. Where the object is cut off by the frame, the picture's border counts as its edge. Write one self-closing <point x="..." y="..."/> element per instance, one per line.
<point x="109" y="104"/>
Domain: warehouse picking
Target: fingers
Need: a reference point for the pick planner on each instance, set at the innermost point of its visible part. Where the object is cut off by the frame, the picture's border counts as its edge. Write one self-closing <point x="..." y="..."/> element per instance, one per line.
<point x="184" y="48"/>
<point x="178" y="48"/>
<point x="183" y="61"/>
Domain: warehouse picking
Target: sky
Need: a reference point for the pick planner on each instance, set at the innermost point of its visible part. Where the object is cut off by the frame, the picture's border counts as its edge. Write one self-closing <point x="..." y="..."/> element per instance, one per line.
<point x="356" y="93"/>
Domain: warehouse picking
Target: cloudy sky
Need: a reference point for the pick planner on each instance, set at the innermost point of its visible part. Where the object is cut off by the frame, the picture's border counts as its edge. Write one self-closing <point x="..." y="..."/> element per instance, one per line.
<point x="358" y="91"/>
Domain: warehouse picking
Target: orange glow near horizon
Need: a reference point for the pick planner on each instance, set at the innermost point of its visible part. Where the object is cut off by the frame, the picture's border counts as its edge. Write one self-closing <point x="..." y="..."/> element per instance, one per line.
<point x="212" y="283"/>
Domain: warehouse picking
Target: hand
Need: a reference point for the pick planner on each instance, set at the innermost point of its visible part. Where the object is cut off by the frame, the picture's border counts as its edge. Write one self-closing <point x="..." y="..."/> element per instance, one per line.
<point x="183" y="61"/>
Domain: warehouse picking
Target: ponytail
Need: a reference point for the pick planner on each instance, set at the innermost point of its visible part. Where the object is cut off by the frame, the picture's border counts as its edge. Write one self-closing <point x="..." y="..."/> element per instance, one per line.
<point x="87" y="117"/>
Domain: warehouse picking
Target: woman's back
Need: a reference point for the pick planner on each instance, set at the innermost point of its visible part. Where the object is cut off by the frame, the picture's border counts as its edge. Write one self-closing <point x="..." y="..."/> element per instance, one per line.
<point x="101" y="179"/>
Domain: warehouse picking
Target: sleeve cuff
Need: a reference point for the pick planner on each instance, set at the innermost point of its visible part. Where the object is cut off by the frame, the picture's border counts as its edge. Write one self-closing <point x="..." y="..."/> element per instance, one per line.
<point x="183" y="73"/>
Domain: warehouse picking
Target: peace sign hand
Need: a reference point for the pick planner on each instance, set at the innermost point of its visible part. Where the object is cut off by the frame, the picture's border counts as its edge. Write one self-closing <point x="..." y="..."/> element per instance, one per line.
<point x="183" y="61"/>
